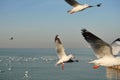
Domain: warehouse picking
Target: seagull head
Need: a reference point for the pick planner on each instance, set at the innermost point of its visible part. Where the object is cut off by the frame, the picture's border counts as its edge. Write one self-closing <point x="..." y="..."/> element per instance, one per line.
<point x="98" y="5"/>
<point x="57" y="38"/>
<point x="117" y="41"/>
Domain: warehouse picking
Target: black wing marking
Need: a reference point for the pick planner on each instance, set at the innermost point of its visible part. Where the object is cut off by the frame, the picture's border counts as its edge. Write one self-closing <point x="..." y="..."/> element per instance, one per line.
<point x="73" y="3"/>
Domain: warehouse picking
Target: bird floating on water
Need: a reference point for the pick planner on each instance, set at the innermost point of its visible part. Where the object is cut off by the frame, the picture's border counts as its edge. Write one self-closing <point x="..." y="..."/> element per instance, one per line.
<point x="77" y="7"/>
<point x="63" y="57"/>
<point x="103" y="50"/>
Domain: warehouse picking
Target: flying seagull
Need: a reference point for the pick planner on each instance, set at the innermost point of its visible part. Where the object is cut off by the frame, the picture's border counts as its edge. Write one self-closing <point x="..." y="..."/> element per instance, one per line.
<point x="103" y="50"/>
<point x="63" y="57"/>
<point x="11" y="38"/>
<point x="79" y="7"/>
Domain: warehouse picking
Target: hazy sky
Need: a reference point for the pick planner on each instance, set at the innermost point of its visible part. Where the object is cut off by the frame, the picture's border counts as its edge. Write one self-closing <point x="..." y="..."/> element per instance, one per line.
<point x="34" y="23"/>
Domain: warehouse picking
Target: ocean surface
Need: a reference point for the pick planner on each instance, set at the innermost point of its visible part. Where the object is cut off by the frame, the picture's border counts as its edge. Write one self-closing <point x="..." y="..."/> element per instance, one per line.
<point x="39" y="64"/>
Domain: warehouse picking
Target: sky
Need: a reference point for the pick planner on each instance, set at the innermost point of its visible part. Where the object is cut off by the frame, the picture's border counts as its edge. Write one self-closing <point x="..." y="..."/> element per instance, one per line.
<point x="34" y="23"/>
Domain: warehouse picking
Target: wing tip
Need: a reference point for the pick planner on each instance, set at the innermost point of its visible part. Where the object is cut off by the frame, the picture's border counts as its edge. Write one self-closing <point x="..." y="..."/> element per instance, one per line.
<point x="84" y="30"/>
<point x="57" y="39"/>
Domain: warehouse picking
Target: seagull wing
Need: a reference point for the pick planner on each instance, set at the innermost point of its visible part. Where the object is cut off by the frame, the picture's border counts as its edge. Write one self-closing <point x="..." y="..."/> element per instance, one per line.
<point x="100" y="47"/>
<point x="73" y="3"/>
<point x="59" y="47"/>
<point x="116" y="46"/>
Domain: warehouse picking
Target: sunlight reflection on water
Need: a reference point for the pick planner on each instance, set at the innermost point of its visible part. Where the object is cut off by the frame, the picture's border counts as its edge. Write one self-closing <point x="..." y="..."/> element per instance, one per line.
<point x="42" y="67"/>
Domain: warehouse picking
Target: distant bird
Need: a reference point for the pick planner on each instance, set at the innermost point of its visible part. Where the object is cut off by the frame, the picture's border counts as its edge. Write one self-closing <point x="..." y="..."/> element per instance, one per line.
<point x="11" y="38"/>
<point x="63" y="57"/>
<point x="77" y="7"/>
<point x="103" y="50"/>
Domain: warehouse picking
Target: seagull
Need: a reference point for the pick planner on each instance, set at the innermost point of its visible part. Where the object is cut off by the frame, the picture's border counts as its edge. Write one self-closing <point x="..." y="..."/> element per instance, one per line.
<point x="78" y="7"/>
<point x="116" y="46"/>
<point x="11" y="38"/>
<point x="103" y="50"/>
<point x="63" y="57"/>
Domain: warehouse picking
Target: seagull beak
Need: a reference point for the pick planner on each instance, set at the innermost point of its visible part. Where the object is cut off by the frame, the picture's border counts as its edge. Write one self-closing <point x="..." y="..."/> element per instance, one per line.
<point x="96" y="66"/>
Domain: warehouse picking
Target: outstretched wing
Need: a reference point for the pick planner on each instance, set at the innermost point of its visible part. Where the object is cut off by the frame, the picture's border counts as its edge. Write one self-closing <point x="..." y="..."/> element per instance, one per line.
<point x="100" y="47"/>
<point x="116" y="46"/>
<point x="73" y="3"/>
<point x="59" y="47"/>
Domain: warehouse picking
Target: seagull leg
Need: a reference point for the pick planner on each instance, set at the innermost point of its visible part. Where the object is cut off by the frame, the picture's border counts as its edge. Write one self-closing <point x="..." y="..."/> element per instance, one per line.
<point x="96" y="66"/>
<point x="62" y="65"/>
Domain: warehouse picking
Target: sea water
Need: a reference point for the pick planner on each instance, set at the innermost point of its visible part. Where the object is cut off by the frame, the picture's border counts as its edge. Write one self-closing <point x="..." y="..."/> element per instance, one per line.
<point x="39" y="64"/>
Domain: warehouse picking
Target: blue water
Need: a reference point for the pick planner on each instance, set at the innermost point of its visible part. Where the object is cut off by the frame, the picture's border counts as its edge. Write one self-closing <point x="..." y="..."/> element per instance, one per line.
<point x="39" y="64"/>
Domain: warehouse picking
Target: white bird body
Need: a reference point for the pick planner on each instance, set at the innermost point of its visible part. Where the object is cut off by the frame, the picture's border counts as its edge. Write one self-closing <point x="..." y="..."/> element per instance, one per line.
<point x="107" y="61"/>
<point x="64" y="59"/>
<point x="77" y="6"/>
<point x="103" y="50"/>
